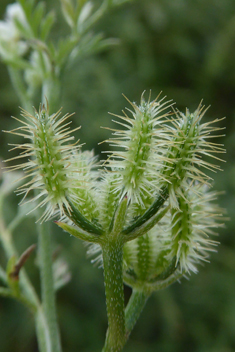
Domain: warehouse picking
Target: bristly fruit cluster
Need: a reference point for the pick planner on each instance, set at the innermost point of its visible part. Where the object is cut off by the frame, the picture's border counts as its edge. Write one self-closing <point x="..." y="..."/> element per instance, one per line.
<point x="157" y="169"/>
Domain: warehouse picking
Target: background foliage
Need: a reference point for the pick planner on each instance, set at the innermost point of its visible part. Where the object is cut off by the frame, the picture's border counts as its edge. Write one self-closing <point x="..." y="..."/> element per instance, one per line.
<point x="187" y="49"/>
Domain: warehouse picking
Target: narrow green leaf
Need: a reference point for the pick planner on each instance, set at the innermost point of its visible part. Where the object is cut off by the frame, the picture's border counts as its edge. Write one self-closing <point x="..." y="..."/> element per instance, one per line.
<point x="78" y="233"/>
<point x="46" y="25"/>
<point x="69" y="12"/>
<point x="171" y="269"/>
<point x="27" y="7"/>
<point x="25" y="31"/>
<point x="80" y="220"/>
<point x="155" y="207"/>
<point x="119" y="217"/>
<point x="37" y="16"/>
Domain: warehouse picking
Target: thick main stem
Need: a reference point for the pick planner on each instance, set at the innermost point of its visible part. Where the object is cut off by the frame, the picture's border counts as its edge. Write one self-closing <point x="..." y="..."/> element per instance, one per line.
<point x="112" y="262"/>
<point x="47" y="285"/>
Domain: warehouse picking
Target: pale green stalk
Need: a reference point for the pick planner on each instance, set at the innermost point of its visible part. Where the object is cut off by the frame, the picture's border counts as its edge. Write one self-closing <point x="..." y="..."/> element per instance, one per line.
<point x="112" y="262"/>
<point x="47" y="285"/>
<point x="28" y="297"/>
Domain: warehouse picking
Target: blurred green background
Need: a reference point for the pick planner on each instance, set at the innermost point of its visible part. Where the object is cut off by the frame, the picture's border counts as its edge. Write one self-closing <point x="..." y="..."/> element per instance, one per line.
<point x="187" y="49"/>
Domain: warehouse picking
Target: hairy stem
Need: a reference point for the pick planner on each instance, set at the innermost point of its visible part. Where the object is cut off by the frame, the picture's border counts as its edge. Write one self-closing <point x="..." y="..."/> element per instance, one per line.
<point x="42" y="331"/>
<point x="112" y="261"/>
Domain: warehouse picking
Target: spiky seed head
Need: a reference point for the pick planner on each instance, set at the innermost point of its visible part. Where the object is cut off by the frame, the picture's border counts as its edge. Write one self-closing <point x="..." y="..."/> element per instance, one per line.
<point x="192" y="224"/>
<point x="50" y="170"/>
<point x="180" y="242"/>
<point x="140" y="148"/>
<point x="186" y="156"/>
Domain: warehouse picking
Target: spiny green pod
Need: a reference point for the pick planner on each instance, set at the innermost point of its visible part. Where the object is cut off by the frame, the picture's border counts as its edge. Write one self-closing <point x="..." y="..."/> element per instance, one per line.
<point x="140" y="149"/>
<point x="177" y="244"/>
<point x="192" y="224"/>
<point x="191" y="143"/>
<point x="50" y="166"/>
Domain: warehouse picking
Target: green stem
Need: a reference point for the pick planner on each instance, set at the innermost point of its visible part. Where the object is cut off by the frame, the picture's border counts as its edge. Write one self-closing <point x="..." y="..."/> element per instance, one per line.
<point x="47" y="285"/>
<point x="134" y="308"/>
<point x="28" y="296"/>
<point x="9" y="249"/>
<point x="6" y="292"/>
<point x="51" y="90"/>
<point x="20" y="88"/>
<point x="42" y="331"/>
<point x="112" y="262"/>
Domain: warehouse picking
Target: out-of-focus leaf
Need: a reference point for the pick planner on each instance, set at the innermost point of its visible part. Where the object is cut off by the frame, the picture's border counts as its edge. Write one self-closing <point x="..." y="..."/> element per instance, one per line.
<point x="47" y="24"/>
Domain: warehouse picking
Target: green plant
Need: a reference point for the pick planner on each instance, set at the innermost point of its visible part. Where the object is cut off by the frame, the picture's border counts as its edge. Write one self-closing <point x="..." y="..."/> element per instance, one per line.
<point x="147" y="210"/>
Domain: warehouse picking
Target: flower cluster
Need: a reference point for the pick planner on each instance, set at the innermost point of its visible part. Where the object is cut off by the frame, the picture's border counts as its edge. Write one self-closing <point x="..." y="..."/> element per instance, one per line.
<point x="157" y="168"/>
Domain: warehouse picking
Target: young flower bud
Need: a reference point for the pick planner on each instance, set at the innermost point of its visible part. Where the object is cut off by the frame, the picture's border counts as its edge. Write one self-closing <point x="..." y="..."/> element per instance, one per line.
<point x="50" y="166"/>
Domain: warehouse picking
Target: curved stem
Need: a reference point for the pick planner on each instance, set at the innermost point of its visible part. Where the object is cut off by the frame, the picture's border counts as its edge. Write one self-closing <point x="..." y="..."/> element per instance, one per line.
<point x="134" y="308"/>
